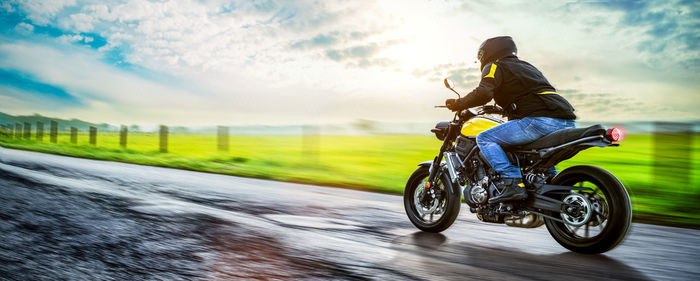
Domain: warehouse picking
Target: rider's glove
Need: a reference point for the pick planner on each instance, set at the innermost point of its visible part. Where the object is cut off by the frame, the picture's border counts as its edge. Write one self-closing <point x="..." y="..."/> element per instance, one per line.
<point x="451" y="104"/>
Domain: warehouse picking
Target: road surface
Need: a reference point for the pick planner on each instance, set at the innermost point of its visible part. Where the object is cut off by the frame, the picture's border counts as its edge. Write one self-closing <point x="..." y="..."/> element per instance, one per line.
<point x="69" y="218"/>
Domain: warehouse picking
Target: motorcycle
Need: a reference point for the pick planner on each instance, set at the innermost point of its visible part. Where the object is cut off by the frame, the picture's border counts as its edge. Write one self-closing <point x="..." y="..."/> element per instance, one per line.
<point x="586" y="209"/>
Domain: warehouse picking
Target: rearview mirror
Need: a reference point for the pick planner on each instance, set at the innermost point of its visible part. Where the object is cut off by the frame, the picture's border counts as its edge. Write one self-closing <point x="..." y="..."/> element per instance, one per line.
<point x="449" y="84"/>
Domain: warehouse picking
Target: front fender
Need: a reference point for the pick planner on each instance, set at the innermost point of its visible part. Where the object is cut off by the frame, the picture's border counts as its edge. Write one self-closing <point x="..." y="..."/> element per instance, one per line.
<point x="428" y="163"/>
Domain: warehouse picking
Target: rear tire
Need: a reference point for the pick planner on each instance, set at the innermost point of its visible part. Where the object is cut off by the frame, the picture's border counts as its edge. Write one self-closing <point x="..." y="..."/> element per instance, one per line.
<point x="447" y="208"/>
<point x="611" y="207"/>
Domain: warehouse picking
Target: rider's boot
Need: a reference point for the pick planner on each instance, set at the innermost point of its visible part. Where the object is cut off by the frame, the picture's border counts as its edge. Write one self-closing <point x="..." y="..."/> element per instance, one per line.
<point x="513" y="189"/>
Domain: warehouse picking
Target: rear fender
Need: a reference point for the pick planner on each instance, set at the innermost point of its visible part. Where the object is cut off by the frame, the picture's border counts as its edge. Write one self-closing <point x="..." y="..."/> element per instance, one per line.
<point x="598" y="143"/>
<point x="576" y="146"/>
<point x="552" y="156"/>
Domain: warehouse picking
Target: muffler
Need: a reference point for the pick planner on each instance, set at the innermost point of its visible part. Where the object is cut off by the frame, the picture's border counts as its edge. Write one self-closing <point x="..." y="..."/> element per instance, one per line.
<point x="527" y="221"/>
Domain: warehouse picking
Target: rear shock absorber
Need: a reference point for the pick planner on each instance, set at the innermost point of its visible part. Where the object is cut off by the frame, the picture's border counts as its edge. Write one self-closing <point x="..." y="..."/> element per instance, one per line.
<point x="535" y="179"/>
<point x="530" y="178"/>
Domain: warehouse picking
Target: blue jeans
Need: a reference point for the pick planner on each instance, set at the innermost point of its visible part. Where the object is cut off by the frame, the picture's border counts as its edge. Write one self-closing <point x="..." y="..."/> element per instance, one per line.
<point x="516" y="132"/>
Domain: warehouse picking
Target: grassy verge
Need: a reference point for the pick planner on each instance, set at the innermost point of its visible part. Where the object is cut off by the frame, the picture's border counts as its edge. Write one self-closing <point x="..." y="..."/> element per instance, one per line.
<point x="383" y="163"/>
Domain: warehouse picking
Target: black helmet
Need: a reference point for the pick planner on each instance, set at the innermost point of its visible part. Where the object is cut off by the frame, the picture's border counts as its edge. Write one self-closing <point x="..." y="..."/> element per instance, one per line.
<point x="496" y="48"/>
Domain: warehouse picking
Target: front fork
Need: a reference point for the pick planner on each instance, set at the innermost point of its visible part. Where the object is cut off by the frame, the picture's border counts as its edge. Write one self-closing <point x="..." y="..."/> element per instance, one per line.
<point x="435" y="166"/>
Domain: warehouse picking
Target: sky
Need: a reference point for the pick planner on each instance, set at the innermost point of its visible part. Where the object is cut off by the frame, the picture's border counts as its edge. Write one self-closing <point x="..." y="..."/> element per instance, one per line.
<point x="236" y="62"/>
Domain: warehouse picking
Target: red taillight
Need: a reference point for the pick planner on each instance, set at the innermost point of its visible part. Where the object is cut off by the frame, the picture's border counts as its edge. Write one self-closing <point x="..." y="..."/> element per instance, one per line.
<point x="615" y="134"/>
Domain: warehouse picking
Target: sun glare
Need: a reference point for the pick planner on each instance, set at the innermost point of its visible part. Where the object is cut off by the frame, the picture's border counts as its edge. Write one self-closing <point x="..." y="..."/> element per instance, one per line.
<point x="408" y="56"/>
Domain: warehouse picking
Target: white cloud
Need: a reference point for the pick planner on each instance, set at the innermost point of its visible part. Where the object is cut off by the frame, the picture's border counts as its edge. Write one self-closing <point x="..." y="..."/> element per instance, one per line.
<point x="7" y="7"/>
<point x="69" y="38"/>
<point x="239" y="61"/>
<point x="92" y="82"/>
<point x="43" y="12"/>
<point x="11" y="104"/>
<point x="78" y="23"/>
<point x="24" y="28"/>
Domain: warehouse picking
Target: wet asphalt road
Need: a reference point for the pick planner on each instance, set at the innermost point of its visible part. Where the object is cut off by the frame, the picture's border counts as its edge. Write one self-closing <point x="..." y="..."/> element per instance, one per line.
<point x="68" y="218"/>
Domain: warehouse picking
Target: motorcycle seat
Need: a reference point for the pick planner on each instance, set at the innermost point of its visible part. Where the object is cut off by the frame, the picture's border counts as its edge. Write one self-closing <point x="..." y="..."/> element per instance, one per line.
<point x="561" y="137"/>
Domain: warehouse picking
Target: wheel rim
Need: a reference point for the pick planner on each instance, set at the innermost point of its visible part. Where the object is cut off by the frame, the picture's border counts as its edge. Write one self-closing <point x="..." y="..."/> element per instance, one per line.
<point x="577" y="211"/>
<point x="429" y="211"/>
<point x="591" y="219"/>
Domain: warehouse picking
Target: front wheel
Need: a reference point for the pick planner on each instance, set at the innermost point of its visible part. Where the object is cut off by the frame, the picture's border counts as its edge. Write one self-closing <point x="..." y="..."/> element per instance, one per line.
<point x="430" y="209"/>
<point x="596" y="220"/>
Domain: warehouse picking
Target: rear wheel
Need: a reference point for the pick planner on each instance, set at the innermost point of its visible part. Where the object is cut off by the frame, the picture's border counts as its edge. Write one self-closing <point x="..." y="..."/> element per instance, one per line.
<point x="430" y="209"/>
<point x="595" y="220"/>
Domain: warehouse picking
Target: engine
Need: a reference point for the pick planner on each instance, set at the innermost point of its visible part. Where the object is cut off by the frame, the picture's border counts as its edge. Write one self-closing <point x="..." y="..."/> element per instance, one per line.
<point x="477" y="191"/>
<point x="463" y="145"/>
<point x="479" y="194"/>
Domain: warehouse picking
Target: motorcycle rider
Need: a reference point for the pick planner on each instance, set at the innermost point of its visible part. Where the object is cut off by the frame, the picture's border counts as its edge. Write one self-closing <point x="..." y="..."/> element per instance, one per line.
<point x="532" y="106"/>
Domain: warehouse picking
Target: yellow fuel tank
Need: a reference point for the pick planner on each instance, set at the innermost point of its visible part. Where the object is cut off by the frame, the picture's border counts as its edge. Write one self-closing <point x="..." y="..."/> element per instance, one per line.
<point x="477" y="125"/>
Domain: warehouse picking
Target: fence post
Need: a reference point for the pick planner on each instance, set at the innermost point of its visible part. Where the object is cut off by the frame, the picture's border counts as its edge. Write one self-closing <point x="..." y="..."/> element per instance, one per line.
<point x="223" y="138"/>
<point x="39" y="131"/>
<point x="54" y="131"/>
<point x="163" y="139"/>
<point x="93" y="136"/>
<point x="27" y="130"/>
<point x="73" y="135"/>
<point x="18" y="130"/>
<point x="122" y="136"/>
<point x="310" y="142"/>
<point x="672" y="153"/>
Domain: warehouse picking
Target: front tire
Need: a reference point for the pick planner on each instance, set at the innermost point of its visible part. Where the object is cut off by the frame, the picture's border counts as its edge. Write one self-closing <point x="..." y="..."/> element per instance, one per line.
<point x="434" y="215"/>
<point x="605" y="212"/>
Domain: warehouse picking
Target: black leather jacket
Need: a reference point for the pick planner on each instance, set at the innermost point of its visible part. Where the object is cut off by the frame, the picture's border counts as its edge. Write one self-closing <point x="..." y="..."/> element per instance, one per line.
<point x="520" y="89"/>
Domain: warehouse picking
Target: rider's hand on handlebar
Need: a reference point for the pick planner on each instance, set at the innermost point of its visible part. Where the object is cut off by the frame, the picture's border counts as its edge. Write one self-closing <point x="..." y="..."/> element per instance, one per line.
<point x="451" y="104"/>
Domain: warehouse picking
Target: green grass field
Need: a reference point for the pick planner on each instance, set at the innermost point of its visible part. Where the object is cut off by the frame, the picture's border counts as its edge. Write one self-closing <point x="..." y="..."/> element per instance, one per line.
<point x="383" y="163"/>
